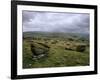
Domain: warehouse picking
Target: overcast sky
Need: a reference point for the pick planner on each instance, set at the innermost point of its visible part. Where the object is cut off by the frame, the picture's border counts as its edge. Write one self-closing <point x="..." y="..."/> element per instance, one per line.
<point x="55" y="22"/>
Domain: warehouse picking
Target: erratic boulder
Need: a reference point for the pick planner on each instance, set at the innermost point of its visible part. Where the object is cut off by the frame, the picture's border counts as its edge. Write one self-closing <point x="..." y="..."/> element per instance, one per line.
<point x="81" y="48"/>
<point x="39" y="49"/>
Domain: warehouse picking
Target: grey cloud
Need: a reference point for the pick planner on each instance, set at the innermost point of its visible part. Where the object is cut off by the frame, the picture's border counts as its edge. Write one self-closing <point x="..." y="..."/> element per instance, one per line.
<point x="55" y="22"/>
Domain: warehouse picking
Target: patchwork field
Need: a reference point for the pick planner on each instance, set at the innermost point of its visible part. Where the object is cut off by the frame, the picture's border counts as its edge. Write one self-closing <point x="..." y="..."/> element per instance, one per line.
<point x="55" y="49"/>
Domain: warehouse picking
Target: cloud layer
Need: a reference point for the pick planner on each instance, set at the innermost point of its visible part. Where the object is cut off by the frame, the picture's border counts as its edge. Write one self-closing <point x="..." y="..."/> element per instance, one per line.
<point x="55" y="22"/>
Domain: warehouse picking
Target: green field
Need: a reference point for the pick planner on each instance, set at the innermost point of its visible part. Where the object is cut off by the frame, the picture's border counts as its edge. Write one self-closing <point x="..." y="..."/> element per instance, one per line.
<point x="65" y="49"/>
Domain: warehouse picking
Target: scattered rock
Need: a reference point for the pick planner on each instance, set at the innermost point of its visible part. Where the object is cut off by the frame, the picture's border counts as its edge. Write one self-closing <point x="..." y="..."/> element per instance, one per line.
<point x="39" y="49"/>
<point x="81" y="48"/>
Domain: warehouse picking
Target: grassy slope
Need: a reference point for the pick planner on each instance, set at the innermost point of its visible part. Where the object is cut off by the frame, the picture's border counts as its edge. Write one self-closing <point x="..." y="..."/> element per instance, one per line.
<point x="57" y="57"/>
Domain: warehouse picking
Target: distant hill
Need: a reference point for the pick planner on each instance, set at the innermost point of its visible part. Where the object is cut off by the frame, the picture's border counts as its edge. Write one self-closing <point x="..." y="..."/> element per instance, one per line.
<point x="55" y="35"/>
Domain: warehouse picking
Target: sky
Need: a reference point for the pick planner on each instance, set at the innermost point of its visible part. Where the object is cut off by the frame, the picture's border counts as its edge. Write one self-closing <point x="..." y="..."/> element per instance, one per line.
<point x="55" y="22"/>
